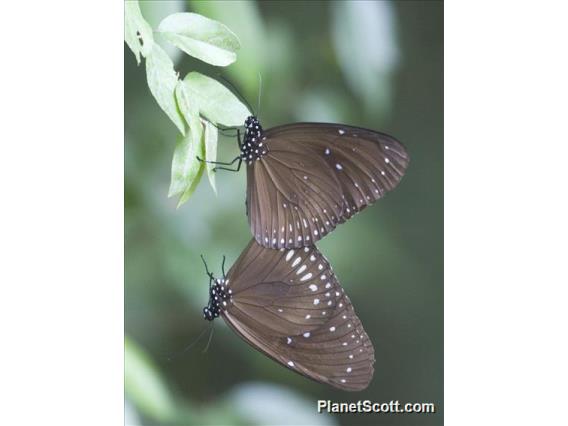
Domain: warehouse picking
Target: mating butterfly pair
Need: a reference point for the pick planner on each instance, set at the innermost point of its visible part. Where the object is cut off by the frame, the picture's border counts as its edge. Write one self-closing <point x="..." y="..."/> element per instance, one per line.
<point x="302" y="181"/>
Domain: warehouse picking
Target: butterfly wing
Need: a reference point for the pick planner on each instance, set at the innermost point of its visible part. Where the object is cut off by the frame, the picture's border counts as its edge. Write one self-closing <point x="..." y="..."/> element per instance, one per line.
<point x="315" y="176"/>
<point x="292" y="199"/>
<point x="290" y="306"/>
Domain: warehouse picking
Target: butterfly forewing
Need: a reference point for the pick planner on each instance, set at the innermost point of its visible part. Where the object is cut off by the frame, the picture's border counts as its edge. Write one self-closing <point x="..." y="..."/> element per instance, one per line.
<point x="316" y="176"/>
<point x="289" y="305"/>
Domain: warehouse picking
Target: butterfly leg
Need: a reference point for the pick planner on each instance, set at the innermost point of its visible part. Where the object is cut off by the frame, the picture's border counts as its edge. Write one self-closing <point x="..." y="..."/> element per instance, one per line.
<point x="231" y="170"/>
<point x="219" y="162"/>
<point x="224" y="129"/>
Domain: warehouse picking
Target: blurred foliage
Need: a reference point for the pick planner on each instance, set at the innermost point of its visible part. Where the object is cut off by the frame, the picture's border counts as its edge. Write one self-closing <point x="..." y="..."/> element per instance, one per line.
<point x="389" y="258"/>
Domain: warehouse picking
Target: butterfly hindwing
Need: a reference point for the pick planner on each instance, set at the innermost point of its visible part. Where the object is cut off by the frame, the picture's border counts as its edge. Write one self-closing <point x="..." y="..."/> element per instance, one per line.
<point x="289" y="205"/>
<point x="295" y="311"/>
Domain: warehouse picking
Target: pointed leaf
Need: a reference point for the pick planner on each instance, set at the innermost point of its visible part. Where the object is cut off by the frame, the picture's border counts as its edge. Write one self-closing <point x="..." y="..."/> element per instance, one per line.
<point x="186" y="168"/>
<point x="201" y="37"/>
<point x="217" y="103"/>
<point x="137" y="32"/>
<point x="211" y="136"/>
<point x="189" y="191"/>
<point x="162" y="80"/>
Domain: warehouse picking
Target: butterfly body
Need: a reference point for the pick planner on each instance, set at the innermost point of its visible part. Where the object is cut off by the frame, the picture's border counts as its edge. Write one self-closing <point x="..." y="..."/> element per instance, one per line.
<point x="289" y="305"/>
<point x="219" y="297"/>
<point x="253" y="147"/>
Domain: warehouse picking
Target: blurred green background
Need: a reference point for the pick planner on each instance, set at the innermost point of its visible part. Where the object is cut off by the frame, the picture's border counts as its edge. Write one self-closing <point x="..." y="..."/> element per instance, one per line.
<point x="371" y="64"/>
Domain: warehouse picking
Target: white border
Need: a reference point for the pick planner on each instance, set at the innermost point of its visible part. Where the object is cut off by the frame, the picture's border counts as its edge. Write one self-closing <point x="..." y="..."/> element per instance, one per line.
<point x="505" y="203"/>
<point x="61" y="307"/>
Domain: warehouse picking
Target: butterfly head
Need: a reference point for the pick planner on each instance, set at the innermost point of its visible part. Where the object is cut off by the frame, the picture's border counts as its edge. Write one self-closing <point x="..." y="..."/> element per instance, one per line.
<point x="219" y="298"/>
<point x="253" y="146"/>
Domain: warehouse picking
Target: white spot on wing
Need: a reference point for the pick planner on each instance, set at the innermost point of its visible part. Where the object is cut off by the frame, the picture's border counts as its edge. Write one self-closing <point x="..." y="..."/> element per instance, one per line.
<point x="341" y="131"/>
<point x="306" y="277"/>
<point x="316" y="301"/>
<point x="327" y="151"/>
<point x="332" y="329"/>
<point x="313" y="287"/>
<point x="339" y="166"/>
<point x="302" y="269"/>
<point x="290" y="363"/>
<point x="289" y="255"/>
<point x="296" y="261"/>
<point x="307" y="334"/>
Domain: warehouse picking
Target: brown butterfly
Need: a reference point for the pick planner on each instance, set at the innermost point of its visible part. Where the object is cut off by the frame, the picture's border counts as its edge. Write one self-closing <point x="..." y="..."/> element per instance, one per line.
<point x="289" y="305"/>
<point x="304" y="179"/>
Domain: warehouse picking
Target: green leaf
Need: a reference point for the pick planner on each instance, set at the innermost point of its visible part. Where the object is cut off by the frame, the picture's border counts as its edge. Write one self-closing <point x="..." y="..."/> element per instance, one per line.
<point x="143" y="385"/>
<point x="217" y="103"/>
<point x="210" y="135"/>
<point x="162" y="80"/>
<point x="137" y="32"/>
<point x="186" y="168"/>
<point x="154" y="12"/>
<point x="201" y="37"/>
<point x="245" y="19"/>
<point x="189" y="191"/>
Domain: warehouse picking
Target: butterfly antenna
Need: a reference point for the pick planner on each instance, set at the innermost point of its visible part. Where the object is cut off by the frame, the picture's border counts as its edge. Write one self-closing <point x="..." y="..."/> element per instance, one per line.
<point x="206" y="268"/>
<point x="223" y="267"/>
<point x="239" y="95"/>
<point x="259" y="92"/>
<point x="192" y="344"/>
<point x="209" y="341"/>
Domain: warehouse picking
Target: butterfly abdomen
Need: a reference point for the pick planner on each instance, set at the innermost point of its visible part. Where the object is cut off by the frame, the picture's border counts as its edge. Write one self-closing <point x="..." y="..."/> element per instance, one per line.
<point x="253" y="146"/>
